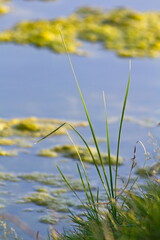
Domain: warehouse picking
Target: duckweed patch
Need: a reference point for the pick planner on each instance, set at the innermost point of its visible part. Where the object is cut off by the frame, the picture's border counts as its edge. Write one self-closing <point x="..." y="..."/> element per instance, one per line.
<point x="69" y="151"/>
<point x="127" y="32"/>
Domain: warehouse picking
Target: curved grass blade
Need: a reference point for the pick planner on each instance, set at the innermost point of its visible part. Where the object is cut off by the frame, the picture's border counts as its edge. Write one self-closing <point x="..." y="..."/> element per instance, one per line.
<point x="88" y="117"/>
<point x="120" y="131"/>
<point x="69" y="185"/>
<point x="55" y="130"/>
<point x="91" y="198"/>
<point x="108" y="147"/>
<point x="94" y="161"/>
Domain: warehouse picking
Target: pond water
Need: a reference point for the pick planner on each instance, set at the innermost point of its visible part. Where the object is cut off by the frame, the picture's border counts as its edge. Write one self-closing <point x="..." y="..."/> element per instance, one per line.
<point x="37" y="82"/>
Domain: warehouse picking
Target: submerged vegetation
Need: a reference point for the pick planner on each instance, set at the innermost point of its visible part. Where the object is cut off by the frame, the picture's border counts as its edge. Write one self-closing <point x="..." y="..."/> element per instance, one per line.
<point x="50" y="194"/>
<point x="127" y="32"/>
<point x="123" y="214"/>
<point x="49" y="199"/>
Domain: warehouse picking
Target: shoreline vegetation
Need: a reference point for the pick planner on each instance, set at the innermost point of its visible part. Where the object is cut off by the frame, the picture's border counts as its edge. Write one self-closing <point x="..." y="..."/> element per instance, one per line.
<point x="125" y="213"/>
<point x="128" y="212"/>
<point x="109" y="211"/>
<point x="127" y="32"/>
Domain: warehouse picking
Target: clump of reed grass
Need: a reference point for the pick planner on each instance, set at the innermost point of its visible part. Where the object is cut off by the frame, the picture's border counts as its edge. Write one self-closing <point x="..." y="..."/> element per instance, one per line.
<point x="125" y="214"/>
<point x="139" y="218"/>
<point x="108" y="181"/>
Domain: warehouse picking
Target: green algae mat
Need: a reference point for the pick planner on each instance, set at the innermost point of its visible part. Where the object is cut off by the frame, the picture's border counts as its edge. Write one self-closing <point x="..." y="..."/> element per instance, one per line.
<point x="51" y="194"/>
<point x="23" y="132"/>
<point x="32" y="127"/>
<point x="76" y="152"/>
<point x="129" y="33"/>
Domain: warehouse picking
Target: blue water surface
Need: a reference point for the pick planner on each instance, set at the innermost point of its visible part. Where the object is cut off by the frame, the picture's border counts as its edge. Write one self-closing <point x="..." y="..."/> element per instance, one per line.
<point x="37" y="82"/>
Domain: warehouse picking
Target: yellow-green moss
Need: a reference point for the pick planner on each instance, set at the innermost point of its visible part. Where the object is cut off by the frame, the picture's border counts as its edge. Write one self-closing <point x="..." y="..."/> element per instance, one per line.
<point x="70" y="152"/>
<point x="129" y="33"/>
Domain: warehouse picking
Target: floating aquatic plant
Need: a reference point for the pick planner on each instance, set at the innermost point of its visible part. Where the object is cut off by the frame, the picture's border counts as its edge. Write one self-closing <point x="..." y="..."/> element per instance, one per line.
<point x="69" y="151"/>
<point x="127" y="32"/>
<point x="32" y="127"/>
<point x="7" y="141"/>
<point x="50" y="199"/>
<point x="8" y="177"/>
<point x="49" y="219"/>
<point x="47" y="153"/>
<point x="51" y="180"/>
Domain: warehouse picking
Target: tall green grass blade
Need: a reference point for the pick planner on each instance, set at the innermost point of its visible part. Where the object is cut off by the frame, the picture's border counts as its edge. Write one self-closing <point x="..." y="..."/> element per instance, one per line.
<point x="98" y="171"/>
<point x="69" y="185"/>
<point x="94" y="161"/>
<point x="55" y="130"/>
<point x="84" y="170"/>
<point x="83" y="184"/>
<point x="108" y="147"/>
<point x="88" y="117"/>
<point x="90" y="198"/>
<point x="120" y="131"/>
